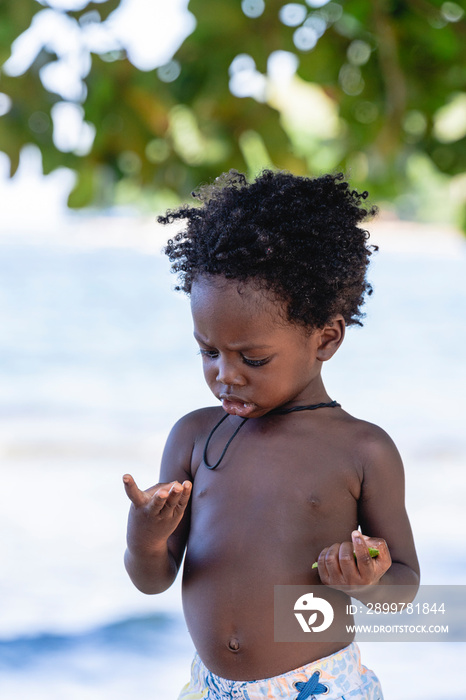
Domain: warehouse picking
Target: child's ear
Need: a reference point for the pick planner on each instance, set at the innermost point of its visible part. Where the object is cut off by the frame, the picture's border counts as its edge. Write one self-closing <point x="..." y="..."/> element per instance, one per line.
<point x="331" y="337"/>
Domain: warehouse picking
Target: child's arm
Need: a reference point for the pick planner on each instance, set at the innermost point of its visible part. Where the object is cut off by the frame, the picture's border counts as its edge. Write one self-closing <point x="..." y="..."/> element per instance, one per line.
<point x="382" y="514"/>
<point x="158" y="522"/>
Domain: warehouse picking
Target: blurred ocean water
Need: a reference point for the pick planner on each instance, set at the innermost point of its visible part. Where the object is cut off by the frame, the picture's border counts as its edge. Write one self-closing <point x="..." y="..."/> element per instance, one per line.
<point x="97" y="361"/>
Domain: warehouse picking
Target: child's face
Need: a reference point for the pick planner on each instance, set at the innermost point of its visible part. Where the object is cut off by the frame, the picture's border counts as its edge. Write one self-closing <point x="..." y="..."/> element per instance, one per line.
<point x="253" y="359"/>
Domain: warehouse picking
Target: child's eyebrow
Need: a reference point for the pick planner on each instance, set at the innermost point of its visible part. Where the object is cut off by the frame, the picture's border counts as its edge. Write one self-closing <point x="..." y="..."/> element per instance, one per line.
<point x="236" y="346"/>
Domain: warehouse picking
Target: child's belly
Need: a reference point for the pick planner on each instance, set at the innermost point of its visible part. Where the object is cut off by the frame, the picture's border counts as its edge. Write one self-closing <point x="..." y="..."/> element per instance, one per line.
<point x="235" y="557"/>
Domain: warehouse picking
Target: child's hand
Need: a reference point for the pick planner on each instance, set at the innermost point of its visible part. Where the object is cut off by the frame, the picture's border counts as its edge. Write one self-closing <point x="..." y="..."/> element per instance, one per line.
<point x="338" y="567"/>
<point x="156" y="513"/>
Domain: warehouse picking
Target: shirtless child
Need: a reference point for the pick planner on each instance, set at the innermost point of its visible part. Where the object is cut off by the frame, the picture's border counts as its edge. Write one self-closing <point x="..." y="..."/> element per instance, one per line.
<point x="256" y="492"/>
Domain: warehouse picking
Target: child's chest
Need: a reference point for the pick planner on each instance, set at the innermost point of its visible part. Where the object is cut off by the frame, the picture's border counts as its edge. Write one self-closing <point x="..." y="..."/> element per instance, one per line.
<point x="273" y="476"/>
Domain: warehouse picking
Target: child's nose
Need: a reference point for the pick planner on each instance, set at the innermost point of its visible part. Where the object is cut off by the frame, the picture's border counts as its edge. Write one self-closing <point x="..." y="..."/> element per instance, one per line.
<point x="229" y="374"/>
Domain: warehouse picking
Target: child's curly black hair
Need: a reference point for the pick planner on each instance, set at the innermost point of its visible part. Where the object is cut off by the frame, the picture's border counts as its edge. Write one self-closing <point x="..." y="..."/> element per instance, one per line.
<point x="294" y="236"/>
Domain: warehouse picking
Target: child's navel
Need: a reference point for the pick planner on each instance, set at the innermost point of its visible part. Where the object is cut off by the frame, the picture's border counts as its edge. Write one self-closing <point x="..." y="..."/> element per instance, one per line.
<point x="233" y="644"/>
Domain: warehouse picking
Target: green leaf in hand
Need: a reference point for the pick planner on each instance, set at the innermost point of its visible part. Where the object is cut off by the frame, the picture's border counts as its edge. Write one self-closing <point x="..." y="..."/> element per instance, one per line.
<point x="372" y="551"/>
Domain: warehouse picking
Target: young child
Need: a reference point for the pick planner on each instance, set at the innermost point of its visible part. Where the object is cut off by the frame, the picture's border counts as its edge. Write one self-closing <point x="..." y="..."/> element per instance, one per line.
<point x="279" y="475"/>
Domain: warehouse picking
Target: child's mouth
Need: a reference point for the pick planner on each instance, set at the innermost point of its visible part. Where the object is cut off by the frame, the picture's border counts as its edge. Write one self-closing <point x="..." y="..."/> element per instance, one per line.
<point x="236" y="407"/>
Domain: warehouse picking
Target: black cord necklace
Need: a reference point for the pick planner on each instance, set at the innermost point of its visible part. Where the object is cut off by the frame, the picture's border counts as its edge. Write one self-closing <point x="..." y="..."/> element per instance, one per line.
<point x="276" y="411"/>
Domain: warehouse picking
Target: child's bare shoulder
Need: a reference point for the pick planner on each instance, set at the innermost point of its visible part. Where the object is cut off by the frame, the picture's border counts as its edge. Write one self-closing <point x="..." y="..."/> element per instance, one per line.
<point x="195" y="424"/>
<point x="187" y="433"/>
<point x="192" y="428"/>
<point x="372" y="445"/>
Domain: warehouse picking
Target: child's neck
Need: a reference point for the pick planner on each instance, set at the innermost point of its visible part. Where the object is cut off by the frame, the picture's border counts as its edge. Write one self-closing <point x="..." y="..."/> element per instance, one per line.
<point x="315" y="393"/>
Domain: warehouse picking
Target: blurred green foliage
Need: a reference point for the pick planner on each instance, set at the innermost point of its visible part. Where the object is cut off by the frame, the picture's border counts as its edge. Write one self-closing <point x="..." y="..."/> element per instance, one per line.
<point x="379" y="91"/>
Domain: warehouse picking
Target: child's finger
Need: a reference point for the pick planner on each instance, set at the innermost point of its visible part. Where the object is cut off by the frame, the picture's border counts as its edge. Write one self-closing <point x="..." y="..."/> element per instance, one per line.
<point x="376" y="543"/>
<point x="159" y="498"/>
<point x="384" y="557"/>
<point x="173" y="495"/>
<point x="332" y="563"/>
<point x="361" y="549"/>
<point x="134" y="494"/>
<point x="322" y="568"/>
<point x="178" y="495"/>
<point x="347" y="562"/>
<point x="165" y="496"/>
<point x="184" y="498"/>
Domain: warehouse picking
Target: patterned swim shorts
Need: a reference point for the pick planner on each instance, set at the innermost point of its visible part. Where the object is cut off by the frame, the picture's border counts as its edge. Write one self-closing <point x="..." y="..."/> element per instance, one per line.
<point x="337" y="677"/>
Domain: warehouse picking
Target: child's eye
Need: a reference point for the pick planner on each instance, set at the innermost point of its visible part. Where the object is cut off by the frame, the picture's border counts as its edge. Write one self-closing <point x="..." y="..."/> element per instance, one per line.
<point x="255" y="363"/>
<point x="212" y="354"/>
